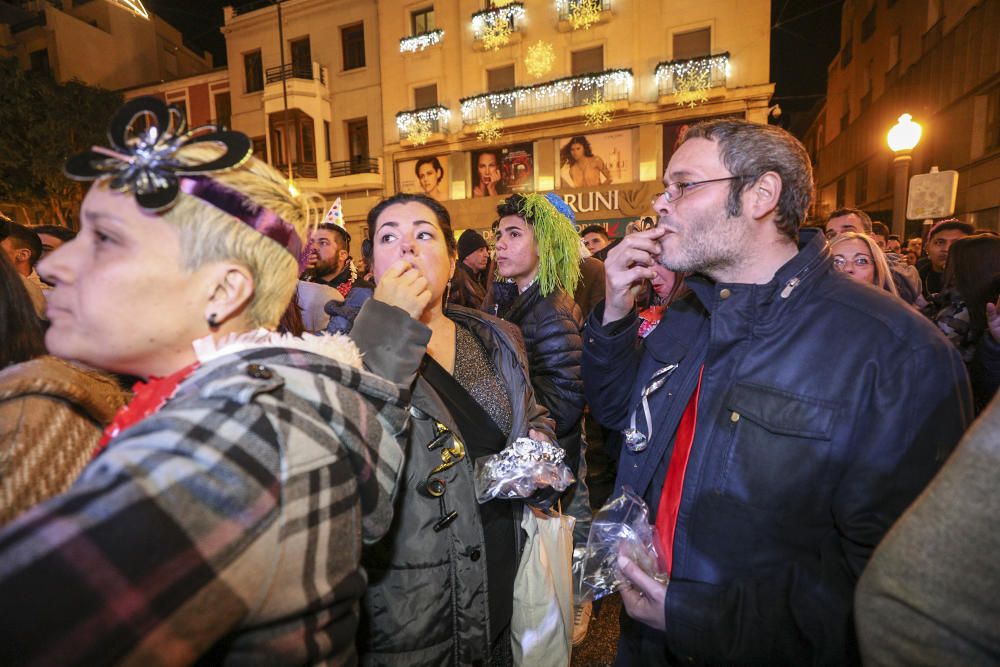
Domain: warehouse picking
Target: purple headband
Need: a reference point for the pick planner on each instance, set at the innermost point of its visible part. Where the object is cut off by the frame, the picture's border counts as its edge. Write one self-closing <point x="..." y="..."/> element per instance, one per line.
<point x="142" y="161"/>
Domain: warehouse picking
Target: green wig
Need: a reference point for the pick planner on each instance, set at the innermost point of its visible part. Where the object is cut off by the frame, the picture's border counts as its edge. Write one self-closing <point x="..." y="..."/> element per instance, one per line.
<point x="556" y="238"/>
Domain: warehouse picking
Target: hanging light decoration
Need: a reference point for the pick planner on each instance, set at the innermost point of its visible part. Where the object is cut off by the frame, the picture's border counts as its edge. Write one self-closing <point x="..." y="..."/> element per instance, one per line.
<point x="564" y="87"/>
<point x="690" y="80"/>
<point x="489" y="128"/>
<point x="540" y="58"/>
<point x="598" y="112"/>
<point x="583" y="13"/>
<point x="417" y="43"/>
<point x="419" y="132"/>
<point x="493" y="27"/>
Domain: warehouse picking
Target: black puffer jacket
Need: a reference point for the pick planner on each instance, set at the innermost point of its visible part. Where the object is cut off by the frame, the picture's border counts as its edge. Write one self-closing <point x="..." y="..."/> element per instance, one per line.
<point x="551" y="330"/>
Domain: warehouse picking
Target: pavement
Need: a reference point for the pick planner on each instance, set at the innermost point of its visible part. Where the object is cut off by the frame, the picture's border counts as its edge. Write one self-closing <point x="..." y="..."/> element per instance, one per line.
<point x="601" y="645"/>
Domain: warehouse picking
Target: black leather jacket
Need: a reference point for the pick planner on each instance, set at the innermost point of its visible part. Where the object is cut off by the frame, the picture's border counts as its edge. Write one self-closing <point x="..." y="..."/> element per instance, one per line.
<point x="551" y="330"/>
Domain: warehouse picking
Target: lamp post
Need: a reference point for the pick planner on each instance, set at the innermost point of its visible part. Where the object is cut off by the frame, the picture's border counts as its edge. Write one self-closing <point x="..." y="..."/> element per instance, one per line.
<point x="902" y="139"/>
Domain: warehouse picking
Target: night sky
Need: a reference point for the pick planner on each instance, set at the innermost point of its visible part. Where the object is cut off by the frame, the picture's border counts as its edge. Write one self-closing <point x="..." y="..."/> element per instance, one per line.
<point x="805" y="35"/>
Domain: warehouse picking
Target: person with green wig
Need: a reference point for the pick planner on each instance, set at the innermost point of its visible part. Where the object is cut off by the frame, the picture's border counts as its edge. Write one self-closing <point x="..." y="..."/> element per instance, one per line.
<point x="538" y="255"/>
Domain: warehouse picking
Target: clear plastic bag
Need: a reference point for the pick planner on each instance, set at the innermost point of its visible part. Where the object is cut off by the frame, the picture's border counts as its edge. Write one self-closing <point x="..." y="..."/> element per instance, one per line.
<point x="621" y="527"/>
<point x="520" y="469"/>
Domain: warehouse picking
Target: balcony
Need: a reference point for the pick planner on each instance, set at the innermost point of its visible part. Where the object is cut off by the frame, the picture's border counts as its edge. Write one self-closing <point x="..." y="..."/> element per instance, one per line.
<point x="299" y="169"/>
<point x="675" y="77"/>
<point x="305" y="71"/>
<point x="359" y="174"/>
<point x="430" y="122"/>
<point x="507" y="14"/>
<point x="354" y="166"/>
<point x="566" y="93"/>
<point x="417" y="43"/>
<point x="566" y="5"/>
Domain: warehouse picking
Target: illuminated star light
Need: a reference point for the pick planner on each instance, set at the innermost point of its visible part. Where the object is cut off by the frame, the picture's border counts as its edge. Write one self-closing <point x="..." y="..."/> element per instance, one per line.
<point x="583" y="13"/>
<point x="419" y="132"/>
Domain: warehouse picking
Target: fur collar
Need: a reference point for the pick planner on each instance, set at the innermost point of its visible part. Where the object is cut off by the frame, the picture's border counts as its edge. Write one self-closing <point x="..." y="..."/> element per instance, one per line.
<point x="338" y="347"/>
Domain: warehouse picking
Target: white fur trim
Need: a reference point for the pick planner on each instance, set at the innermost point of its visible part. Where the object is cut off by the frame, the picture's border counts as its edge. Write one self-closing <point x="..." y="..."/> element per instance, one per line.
<point x="338" y="347"/>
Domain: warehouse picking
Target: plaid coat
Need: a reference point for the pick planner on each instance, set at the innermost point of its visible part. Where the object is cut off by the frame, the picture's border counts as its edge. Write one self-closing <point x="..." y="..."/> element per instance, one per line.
<point x="225" y="528"/>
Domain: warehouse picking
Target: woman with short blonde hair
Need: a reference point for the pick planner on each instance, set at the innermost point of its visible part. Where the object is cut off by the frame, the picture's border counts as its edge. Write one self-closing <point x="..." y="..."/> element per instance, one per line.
<point x="223" y="516"/>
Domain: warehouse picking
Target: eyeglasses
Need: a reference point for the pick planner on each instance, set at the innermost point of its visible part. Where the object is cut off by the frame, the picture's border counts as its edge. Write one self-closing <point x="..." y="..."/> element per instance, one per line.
<point x="435" y="487"/>
<point x="676" y="190"/>
<point x="860" y="262"/>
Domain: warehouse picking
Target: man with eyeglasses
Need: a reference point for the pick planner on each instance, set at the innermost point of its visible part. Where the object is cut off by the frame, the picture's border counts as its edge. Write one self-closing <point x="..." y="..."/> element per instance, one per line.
<point x="773" y="451"/>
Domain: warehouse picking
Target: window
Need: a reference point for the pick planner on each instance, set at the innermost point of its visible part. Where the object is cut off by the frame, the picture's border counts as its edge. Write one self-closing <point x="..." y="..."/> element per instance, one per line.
<point x="182" y="105"/>
<point x="500" y="78"/>
<point x="40" y="60"/>
<point x="425" y="96"/>
<point x="868" y="25"/>
<point x="259" y="148"/>
<point x="253" y="71"/>
<point x="841" y="191"/>
<point x="847" y="54"/>
<point x="298" y="131"/>
<point x="693" y="44"/>
<point x="223" y="110"/>
<point x="326" y="139"/>
<point x="497" y="79"/>
<point x="861" y="185"/>
<point x="586" y="61"/>
<point x="301" y="58"/>
<point x="357" y="142"/>
<point x="866" y="87"/>
<point x="353" y="41"/>
<point x="894" y="50"/>
<point x="993" y="119"/>
<point x="422" y="21"/>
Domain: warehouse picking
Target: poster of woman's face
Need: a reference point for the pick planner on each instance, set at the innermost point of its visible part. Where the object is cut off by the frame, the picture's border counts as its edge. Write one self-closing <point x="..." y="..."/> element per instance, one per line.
<point x="500" y="171"/>
<point x="595" y="159"/>
<point x="425" y="176"/>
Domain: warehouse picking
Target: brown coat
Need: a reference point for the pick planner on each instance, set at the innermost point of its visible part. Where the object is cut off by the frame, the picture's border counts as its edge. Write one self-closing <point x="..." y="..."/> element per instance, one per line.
<point x="52" y="414"/>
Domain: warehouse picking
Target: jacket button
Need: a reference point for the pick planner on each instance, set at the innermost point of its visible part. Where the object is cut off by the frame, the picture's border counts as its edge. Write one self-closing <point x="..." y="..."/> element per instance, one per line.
<point x="735" y="417"/>
<point x="259" y="372"/>
<point x="474" y="555"/>
<point x="725" y="293"/>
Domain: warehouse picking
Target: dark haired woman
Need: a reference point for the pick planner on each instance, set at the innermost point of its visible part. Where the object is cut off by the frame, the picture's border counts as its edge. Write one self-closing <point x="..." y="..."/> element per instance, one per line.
<point x="441" y="582"/>
<point x="580" y="167"/>
<point x="52" y="412"/>
<point x="430" y="173"/>
<point x="969" y="291"/>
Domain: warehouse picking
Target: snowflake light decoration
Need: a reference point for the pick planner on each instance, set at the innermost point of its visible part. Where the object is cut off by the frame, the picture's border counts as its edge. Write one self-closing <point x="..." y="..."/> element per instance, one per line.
<point x="598" y="112"/>
<point x="419" y="131"/>
<point x="692" y="87"/>
<point x="541" y="56"/>
<point x="489" y="128"/>
<point x="495" y="34"/>
<point x="583" y="13"/>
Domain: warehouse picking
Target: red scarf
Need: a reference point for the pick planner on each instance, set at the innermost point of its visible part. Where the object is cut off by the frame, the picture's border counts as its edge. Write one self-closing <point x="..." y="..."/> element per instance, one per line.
<point x="148" y="398"/>
<point x="344" y="287"/>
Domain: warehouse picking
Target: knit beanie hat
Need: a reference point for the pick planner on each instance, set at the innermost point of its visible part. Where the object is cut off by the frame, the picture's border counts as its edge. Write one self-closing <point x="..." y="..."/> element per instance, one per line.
<point x="469" y="242"/>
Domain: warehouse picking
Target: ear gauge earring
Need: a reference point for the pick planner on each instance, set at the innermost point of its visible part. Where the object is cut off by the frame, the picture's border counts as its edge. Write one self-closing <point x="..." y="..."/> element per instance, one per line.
<point x="213" y="322"/>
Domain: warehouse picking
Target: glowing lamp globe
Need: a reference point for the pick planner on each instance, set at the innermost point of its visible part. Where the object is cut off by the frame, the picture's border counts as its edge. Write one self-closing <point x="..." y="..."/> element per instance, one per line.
<point x="905" y="134"/>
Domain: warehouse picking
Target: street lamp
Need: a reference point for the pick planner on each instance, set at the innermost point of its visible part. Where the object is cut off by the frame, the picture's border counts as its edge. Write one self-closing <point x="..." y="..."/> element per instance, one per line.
<point x="902" y="139"/>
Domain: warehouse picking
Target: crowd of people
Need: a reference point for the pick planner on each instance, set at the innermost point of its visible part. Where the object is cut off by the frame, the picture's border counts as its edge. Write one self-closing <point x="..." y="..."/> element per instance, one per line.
<point x="223" y="439"/>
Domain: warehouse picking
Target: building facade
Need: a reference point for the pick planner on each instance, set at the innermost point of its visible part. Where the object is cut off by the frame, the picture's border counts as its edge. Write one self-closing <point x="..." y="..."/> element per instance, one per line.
<point x="362" y="99"/>
<point x="938" y="60"/>
<point x="592" y="112"/>
<point x="104" y="43"/>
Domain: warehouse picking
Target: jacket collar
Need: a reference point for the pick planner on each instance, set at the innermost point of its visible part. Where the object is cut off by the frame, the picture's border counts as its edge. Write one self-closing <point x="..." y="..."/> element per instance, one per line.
<point x="812" y="260"/>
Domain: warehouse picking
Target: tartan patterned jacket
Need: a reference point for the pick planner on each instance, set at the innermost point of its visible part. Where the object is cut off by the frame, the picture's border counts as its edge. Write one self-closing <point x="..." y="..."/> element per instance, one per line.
<point x="224" y="529"/>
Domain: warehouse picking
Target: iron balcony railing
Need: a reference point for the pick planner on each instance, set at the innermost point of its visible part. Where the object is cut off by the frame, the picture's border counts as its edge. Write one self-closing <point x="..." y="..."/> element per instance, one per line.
<point x="299" y="169"/>
<point x="565" y="93"/>
<point x="307" y="71"/>
<point x="673" y="76"/>
<point x="567" y="5"/>
<point x="354" y="166"/>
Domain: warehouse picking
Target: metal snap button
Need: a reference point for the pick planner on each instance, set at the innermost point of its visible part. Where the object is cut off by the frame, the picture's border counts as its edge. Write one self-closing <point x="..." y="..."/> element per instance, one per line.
<point x="259" y="372"/>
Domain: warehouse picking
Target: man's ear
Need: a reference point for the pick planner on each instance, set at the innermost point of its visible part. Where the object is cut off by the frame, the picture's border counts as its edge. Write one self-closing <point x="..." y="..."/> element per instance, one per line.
<point x="764" y="195"/>
<point x="231" y="288"/>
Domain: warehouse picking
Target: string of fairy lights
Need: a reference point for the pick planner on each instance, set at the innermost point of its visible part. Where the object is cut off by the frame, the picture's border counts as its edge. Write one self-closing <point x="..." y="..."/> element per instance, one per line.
<point x="416" y="43"/>
<point x="559" y="87"/>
